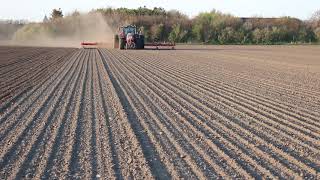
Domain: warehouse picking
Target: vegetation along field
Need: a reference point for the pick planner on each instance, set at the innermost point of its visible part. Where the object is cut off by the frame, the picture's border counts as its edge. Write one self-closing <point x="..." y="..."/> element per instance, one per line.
<point x="200" y="112"/>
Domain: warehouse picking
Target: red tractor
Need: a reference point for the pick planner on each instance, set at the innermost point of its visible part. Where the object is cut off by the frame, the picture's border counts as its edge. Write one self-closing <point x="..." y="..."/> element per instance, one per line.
<point x="129" y="38"/>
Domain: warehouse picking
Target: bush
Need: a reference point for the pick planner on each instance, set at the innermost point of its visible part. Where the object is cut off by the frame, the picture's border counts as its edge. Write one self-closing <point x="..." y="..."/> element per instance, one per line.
<point x="33" y="31"/>
<point x="228" y="36"/>
<point x="317" y="33"/>
<point x="178" y="34"/>
<point x="158" y="32"/>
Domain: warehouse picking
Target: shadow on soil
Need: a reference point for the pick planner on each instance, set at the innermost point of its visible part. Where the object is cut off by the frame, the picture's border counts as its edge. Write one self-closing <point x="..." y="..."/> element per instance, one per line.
<point x="158" y="169"/>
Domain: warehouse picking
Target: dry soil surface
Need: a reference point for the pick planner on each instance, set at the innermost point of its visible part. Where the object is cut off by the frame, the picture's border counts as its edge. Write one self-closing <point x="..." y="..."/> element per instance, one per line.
<point x="198" y="112"/>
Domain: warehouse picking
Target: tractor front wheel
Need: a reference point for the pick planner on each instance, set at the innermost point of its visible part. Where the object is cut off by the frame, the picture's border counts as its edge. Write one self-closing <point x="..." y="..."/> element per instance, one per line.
<point x="131" y="45"/>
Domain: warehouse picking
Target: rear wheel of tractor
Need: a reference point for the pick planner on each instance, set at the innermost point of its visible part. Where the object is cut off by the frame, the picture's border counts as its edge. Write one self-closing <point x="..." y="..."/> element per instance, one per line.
<point x="141" y="42"/>
<point x="116" y="42"/>
<point x="122" y="43"/>
<point x="137" y="43"/>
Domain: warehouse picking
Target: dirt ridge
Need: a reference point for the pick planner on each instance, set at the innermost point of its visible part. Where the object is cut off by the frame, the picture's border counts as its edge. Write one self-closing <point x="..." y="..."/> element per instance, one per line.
<point x="229" y="112"/>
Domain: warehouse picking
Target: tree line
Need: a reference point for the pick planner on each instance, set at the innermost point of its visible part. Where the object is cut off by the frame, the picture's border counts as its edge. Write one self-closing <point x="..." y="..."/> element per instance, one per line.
<point x="208" y="27"/>
<point x="215" y="27"/>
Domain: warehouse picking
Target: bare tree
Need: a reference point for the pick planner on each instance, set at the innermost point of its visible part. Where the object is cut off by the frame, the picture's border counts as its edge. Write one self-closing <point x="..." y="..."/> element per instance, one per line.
<point x="316" y="16"/>
<point x="315" y="19"/>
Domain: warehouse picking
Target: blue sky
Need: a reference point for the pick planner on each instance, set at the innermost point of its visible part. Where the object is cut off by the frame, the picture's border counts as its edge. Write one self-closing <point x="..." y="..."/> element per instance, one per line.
<point x="34" y="10"/>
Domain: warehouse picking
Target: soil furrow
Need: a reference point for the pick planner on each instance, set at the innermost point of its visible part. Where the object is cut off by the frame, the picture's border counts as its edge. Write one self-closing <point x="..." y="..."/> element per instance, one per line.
<point x="222" y="74"/>
<point x="141" y="140"/>
<point x="60" y="165"/>
<point x="177" y="106"/>
<point x="21" y="117"/>
<point x="12" y="106"/>
<point x="38" y="154"/>
<point x="198" y="112"/>
<point x="284" y="111"/>
<point x="18" y="151"/>
<point x="207" y="80"/>
<point x="175" y="76"/>
<point x="52" y="155"/>
<point x="33" y="78"/>
<point x="108" y="163"/>
<point x="81" y="163"/>
<point x="142" y="115"/>
<point x="218" y="169"/>
<point x="273" y="83"/>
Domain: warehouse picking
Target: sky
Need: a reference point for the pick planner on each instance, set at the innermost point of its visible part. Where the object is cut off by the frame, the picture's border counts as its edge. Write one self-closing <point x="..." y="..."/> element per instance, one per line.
<point x="35" y="10"/>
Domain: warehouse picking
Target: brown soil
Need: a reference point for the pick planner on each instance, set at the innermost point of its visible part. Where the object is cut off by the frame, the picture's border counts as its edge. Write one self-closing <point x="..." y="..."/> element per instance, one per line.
<point x="199" y="112"/>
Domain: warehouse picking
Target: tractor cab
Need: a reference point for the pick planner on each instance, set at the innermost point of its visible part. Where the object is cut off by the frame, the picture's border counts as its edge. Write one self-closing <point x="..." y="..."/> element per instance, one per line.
<point x="125" y="30"/>
<point x="129" y="38"/>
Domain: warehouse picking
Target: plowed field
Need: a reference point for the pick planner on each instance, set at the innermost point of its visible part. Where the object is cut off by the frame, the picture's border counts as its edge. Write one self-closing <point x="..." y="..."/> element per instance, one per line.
<point x="199" y="112"/>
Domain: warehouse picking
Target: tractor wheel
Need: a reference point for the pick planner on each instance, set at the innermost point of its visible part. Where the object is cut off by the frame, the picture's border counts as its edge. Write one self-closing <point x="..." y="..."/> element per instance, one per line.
<point x="122" y="43"/>
<point x="116" y="42"/>
<point x="141" y="43"/>
<point x="132" y="45"/>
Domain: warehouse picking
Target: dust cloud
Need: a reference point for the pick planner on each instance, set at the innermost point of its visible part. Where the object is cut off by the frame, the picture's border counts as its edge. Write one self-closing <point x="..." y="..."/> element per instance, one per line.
<point x="66" y="32"/>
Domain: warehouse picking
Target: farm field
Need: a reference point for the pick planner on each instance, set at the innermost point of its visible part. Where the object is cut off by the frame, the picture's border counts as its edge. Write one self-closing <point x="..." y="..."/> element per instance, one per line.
<point x="199" y="112"/>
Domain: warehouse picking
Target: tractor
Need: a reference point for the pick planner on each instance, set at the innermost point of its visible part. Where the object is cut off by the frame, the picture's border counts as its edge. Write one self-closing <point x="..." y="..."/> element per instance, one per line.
<point x="129" y="38"/>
